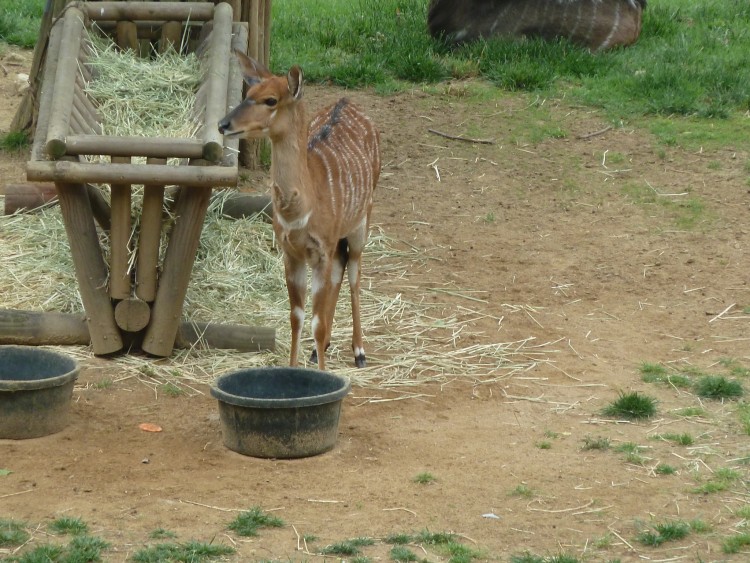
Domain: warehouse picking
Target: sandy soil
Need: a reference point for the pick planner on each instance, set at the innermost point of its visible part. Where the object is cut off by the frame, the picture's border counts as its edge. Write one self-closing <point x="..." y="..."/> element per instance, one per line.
<point x="570" y="238"/>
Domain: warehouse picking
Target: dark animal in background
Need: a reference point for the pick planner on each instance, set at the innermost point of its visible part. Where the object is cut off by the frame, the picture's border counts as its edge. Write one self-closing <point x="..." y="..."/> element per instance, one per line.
<point x="596" y="24"/>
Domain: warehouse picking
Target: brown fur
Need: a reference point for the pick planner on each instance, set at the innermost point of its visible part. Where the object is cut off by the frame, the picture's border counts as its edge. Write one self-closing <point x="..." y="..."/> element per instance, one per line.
<point x="596" y="24"/>
<point x="323" y="175"/>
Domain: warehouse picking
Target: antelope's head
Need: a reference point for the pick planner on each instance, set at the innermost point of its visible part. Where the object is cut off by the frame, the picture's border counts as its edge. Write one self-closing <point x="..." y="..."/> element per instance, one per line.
<point x="268" y="104"/>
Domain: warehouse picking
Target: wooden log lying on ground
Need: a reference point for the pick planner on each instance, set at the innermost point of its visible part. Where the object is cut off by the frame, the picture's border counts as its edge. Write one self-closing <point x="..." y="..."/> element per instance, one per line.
<point x="240" y="205"/>
<point x="33" y="195"/>
<point x="61" y="329"/>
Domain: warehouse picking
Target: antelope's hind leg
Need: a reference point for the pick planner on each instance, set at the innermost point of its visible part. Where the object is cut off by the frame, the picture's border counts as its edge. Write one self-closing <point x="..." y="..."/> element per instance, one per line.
<point x="357" y="241"/>
<point x="338" y="264"/>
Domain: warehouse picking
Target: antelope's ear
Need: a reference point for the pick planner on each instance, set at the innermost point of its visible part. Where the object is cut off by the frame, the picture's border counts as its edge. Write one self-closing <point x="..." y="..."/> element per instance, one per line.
<point x="252" y="70"/>
<point x="294" y="79"/>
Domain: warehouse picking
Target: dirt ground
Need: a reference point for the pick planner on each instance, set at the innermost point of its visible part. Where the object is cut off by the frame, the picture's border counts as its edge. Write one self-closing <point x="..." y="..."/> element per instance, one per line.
<point x="616" y="248"/>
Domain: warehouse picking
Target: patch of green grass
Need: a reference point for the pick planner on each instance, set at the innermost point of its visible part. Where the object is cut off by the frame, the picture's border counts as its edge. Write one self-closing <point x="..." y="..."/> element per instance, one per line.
<point x="162" y="534"/>
<point x="718" y="387"/>
<point x="664" y="532"/>
<point x="598" y="443"/>
<point x="12" y="532"/>
<point x="172" y="390"/>
<point x="401" y="553"/>
<point x="631" y="406"/>
<point x="743" y="411"/>
<point x="657" y="373"/>
<point x="683" y="439"/>
<point x="528" y="557"/>
<point x="248" y="523"/>
<point x="665" y="469"/>
<point x="733" y="544"/>
<point x="544" y="445"/>
<point x="81" y="549"/>
<point x="46" y="553"/>
<point x="71" y="526"/>
<point x="189" y="552"/>
<point x="523" y="491"/>
<point x="434" y="538"/>
<point x="699" y="526"/>
<point x="690" y="411"/>
<point x="398" y="539"/>
<point x="721" y="480"/>
<point x="743" y="512"/>
<point x="425" y="478"/>
<point x="19" y="22"/>
<point x="15" y="141"/>
<point x="632" y="452"/>
<point x="347" y="547"/>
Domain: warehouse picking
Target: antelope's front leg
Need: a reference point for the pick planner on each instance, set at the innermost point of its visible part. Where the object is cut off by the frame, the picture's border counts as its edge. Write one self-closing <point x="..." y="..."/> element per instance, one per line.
<point x="321" y="296"/>
<point x="296" y="284"/>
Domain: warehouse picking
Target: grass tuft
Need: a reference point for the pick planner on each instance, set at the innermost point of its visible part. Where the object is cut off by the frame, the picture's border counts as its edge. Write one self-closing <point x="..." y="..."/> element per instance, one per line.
<point x="631" y="406"/>
<point x="401" y="553"/>
<point x="664" y="532"/>
<point x="347" y="547"/>
<point x="189" y="552"/>
<point x="15" y="141"/>
<point x="718" y="387"/>
<point x="12" y="532"/>
<point x="425" y="478"/>
<point x="248" y="523"/>
<point x="599" y="443"/>
<point x="735" y="543"/>
<point x="71" y="526"/>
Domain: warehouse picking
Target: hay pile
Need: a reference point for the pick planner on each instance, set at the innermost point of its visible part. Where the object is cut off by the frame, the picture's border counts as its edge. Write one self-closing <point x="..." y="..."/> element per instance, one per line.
<point x="238" y="274"/>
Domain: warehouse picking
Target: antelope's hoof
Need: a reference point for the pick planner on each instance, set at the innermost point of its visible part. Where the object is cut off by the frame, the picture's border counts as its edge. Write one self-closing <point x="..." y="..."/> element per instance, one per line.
<point x="360" y="361"/>
<point x="314" y="355"/>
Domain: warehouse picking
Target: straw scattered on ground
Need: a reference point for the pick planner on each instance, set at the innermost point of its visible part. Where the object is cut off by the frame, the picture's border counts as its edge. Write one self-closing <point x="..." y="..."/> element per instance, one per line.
<point x="238" y="278"/>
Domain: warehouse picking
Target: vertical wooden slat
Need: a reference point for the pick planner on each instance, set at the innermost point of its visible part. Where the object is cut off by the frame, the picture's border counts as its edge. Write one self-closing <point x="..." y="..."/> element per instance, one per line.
<point x="166" y="312"/>
<point x="171" y="36"/>
<point x="267" y="33"/>
<point x="149" y="239"/>
<point x="91" y="271"/>
<point x="216" y="96"/>
<point x="119" y="240"/>
<point x="254" y="39"/>
<point x="126" y="35"/>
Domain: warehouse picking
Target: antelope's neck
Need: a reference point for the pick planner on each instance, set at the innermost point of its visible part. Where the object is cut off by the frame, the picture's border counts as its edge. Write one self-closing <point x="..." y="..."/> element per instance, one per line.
<point x="290" y="175"/>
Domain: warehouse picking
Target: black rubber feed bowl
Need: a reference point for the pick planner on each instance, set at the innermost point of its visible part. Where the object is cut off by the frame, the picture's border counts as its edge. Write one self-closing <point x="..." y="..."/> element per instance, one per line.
<point x="36" y="386"/>
<point x="280" y="412"/>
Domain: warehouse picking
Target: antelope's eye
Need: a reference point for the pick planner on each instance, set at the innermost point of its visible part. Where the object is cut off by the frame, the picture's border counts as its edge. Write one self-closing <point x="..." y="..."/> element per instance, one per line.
<point x="270" y="102"/>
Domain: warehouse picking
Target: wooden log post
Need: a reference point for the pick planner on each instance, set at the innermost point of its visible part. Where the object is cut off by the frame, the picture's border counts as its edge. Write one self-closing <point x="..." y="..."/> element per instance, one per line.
<point x="232" y="146"/>
<point x="46" y="94"/>
<point x="216" y="96"/>
<point x="149" y="239"/>
<point x="65" y="77"/>
<point x="119" y="238"/>
<point x="32" y="328"/>
<point x="166" y="312"/>
<point x="171" y="36"/>
<point x="126" y="35"/>
<point x="91" y="271"/>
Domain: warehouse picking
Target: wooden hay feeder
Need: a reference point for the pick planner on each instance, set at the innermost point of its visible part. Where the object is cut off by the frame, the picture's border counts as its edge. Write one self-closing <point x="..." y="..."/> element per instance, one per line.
<point x="147" y="307"/>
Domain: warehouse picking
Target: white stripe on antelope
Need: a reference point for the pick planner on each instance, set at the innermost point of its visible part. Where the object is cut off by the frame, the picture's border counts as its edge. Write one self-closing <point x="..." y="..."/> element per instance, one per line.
<point x="323" y="175"/>
<point x="596" y="24"/>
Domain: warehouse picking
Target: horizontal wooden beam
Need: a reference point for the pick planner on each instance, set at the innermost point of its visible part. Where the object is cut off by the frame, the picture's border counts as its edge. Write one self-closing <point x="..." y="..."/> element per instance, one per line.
<point x="163" y="174"/>
<point x="161" y="11"/>
<point x="157" y="147"/>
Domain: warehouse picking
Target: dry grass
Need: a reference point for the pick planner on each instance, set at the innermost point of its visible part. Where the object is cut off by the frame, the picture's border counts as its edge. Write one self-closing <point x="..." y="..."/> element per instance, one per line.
<point x="238" y="277"/>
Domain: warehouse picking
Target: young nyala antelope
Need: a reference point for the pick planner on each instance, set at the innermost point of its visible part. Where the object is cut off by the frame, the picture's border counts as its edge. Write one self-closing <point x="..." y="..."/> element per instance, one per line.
<point x="323" y="174"/>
